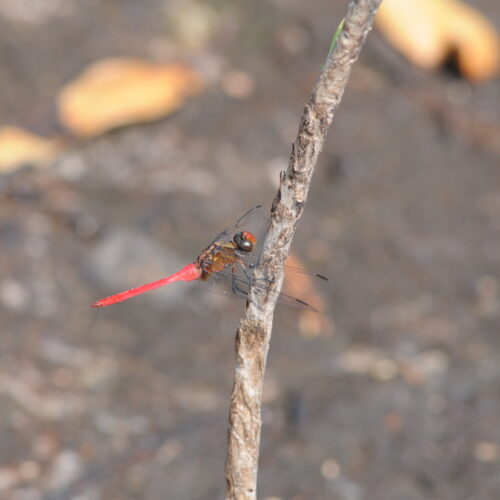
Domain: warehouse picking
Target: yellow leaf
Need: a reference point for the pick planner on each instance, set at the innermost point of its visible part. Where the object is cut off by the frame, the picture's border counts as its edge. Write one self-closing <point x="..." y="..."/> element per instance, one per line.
<point x="19" y="147"/>
<point x="476" y="42"/>
<point x="427" y="32"/>
<point x="117" y="92"/>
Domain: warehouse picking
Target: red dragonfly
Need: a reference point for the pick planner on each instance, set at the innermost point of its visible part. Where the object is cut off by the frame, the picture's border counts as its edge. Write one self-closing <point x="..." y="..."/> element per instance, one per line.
<point x="227" y="265"/>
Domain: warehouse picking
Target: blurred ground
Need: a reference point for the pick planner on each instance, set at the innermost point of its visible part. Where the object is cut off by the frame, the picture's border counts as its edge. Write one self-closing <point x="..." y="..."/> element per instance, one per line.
<point x="399" y="398"/>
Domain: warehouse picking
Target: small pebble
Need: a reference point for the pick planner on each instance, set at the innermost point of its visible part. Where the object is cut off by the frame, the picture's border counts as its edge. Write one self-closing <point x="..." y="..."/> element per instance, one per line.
<point x="238" y="84"/>
<point x="330" y="469"/>
<point x="13" y="294"/>
<point x="486" y="451"/>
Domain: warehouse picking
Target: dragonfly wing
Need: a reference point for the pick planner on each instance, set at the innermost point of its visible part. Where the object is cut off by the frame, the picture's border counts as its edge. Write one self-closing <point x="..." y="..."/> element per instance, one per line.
<point x="253" y="217"/>
<point x="236" y="285"/>
<point x="298" y="282"/>
<point x="227" y="283"/>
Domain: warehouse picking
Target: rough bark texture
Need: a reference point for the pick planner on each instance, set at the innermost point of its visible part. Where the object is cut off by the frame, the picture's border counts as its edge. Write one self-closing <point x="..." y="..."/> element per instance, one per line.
<point x="254" y="332"/>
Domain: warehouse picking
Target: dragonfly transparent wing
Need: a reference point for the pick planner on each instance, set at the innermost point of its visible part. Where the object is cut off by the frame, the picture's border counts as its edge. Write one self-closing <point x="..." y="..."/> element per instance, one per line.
<point x="252" y="221"/>
<point x="298" y="282"/>
<point x="235" y="281"/>
<point x="237" y="284"/>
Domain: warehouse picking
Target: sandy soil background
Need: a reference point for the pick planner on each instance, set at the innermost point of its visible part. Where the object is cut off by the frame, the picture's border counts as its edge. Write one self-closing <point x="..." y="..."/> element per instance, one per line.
<point x="392" y="393"/>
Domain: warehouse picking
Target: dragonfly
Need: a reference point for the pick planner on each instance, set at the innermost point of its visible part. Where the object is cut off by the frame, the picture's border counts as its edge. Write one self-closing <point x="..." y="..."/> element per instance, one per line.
<point x="227" y="265"/>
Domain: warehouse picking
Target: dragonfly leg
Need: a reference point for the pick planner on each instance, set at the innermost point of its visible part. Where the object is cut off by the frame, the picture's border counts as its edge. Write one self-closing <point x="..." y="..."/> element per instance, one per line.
<point x="251" y="279"/>
<point x="236" y="289"/>
<point x="247" y="271"/>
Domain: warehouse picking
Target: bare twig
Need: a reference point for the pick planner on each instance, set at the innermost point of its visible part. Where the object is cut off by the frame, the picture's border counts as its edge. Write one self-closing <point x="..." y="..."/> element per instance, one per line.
<point x="254" y="332"/>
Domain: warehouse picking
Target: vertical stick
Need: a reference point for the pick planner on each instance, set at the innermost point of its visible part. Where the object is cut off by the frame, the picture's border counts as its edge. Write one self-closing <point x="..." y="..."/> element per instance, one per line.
<point x="254" y="332"/>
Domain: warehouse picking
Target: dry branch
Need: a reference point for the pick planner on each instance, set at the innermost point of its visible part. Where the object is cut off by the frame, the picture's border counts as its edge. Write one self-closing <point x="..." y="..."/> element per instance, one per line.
<point x="254" y="332"/>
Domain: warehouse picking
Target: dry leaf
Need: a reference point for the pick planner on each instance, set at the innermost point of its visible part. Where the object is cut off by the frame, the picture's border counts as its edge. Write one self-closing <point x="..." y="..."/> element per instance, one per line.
<point x="476" y="41"/>
<point x="116" y="92"/>
<point x="311" y="324"/>
<point x="427" y="32"/>
<point x="19" y="147"/>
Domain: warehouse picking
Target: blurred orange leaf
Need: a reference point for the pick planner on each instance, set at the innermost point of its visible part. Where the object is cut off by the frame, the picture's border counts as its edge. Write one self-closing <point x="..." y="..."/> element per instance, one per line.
<point x="18" y="147"/>
<point x="427" y="32"/>
<point x="116" y="92"/>
<point x="311" y="324"/>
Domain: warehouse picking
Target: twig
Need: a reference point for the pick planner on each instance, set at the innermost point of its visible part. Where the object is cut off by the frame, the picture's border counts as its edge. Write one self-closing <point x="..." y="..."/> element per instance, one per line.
<point x="254" y="332"/>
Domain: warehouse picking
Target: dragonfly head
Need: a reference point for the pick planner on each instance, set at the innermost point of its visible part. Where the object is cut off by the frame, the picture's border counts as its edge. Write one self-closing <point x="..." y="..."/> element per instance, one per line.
<point x="245" y="241"/>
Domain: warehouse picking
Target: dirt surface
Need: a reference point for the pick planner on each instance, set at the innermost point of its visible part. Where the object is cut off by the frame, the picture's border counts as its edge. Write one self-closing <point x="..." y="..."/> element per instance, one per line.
<point x="392" y="393"/>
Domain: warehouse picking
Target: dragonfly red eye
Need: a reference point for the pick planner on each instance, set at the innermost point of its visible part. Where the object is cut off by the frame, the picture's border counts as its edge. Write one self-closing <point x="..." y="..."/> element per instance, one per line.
<point x="245" y="241"/>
